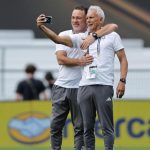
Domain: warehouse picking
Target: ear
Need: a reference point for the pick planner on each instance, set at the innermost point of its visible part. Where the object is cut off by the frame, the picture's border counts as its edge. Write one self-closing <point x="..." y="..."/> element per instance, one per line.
<point x="101" y="18"/>
<point x="101" y="21"/>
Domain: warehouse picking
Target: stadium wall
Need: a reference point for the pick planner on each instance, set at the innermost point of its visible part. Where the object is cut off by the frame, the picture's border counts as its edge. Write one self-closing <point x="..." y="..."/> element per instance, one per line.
<point x="27" y="124"/>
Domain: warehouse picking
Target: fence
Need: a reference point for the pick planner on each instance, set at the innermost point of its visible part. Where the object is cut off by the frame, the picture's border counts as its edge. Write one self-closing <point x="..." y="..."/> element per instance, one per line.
<point x="15" y="54"/>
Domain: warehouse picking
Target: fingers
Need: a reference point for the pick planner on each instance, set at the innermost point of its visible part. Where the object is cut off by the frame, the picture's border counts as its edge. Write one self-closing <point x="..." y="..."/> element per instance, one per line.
<point x="41" y="19"/>
<point x="87" y="42"/>
<point x="84" y="45"/>
<point x="86" y="60"/>
<point x="42" y="15"/>
<point x="89" y="59"/>
<point x="120" y="90"/>
<point x="120" y="93"/>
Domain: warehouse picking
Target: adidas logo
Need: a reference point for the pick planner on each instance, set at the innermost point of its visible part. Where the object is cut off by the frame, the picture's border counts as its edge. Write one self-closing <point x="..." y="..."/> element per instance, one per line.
<point x="108" y="99"/>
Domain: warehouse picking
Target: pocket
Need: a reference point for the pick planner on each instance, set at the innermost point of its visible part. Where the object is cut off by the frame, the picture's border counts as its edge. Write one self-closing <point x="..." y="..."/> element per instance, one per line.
<point x="58" y="93"/>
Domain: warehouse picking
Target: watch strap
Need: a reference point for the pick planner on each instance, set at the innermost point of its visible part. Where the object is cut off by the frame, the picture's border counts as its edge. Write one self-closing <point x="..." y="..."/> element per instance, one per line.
<point x="123" y="80"/>
<point x="94" y="34"/>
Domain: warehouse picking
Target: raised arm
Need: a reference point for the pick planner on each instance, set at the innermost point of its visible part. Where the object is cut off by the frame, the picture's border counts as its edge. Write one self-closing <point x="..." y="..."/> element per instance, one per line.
<point x="65" y="40"/>
<point x="101" y="32"/>
<point x="107" y="29"/>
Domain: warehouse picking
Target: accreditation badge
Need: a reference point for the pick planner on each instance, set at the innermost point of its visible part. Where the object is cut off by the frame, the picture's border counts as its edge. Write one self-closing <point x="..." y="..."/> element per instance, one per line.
<point x="91" y="72"/>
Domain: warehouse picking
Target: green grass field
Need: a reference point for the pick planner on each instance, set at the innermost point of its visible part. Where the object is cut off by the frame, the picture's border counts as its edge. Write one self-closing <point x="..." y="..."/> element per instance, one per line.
<point x="37" y="148"/>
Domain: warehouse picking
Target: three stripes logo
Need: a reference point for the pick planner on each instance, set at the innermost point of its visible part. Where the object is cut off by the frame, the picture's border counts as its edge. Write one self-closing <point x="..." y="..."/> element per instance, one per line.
<point x="108" y="99"/>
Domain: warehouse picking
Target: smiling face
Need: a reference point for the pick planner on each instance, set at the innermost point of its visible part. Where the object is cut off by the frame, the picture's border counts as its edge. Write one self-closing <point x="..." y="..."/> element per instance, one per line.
<point x="78" y="21"/>
<point x="94" y="21"/>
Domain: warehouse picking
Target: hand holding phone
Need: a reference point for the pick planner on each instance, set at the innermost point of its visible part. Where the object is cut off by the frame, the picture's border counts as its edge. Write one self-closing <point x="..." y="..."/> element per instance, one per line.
<point x="48" y="19"/>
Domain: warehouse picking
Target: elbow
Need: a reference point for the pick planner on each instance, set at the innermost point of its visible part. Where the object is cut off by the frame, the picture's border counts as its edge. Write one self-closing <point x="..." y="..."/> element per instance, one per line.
<point x="60" y="62"/>
<point x="115" y="26"/>
<point x="127" y="64"/>
<point x="58" y="40"/>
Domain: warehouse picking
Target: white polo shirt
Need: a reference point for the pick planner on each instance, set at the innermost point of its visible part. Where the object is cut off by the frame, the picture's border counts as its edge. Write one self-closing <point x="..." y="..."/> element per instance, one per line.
<point x="103" y="51"/>
<point x="68" y="76"/>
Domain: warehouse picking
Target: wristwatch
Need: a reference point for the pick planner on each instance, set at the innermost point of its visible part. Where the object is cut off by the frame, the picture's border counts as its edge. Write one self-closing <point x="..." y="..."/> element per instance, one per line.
<point x="123" y="80"/>
<point x="95" y="35"/>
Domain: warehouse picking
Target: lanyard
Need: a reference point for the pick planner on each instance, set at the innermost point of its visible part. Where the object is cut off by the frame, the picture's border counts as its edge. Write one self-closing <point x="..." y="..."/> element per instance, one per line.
<point x="98" y="47"/>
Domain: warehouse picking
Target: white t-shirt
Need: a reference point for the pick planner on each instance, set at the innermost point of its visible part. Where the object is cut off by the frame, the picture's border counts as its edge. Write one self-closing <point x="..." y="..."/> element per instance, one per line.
<point x="69" y="76"/>
<point x="103" y="51"/>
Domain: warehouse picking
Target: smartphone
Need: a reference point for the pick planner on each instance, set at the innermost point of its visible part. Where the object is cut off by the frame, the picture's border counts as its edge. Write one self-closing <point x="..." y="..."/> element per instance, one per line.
<point x="48" y="19"/>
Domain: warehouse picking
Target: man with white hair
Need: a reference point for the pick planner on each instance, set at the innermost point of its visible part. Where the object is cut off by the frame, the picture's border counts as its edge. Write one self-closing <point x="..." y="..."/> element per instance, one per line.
<point x="96" y="86"/>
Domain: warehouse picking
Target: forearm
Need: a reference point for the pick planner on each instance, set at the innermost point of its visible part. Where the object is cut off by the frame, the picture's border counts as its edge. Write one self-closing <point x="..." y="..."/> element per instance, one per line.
<point x="55" y="38"/>
<point x="63" y="59"/>
<point x="107" y="29"/>
<point x="69" y="61"/>
<point x="123" y="68"/>
<point x="101" y="32"/>
<point x="51" y="35"/>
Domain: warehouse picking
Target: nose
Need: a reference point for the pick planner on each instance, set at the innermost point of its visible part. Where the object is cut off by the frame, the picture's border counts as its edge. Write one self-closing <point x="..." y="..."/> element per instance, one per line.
<point x="87" y="20"/>
<point x="75" y="19"/>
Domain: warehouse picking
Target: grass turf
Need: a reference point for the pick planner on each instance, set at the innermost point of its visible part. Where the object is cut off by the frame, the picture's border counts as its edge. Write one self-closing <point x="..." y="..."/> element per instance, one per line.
<point x="43" y="148"/>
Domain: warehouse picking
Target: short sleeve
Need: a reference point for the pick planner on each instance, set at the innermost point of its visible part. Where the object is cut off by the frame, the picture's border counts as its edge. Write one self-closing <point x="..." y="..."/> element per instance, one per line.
<point x="117" y="44"/>
<point x="60" y="46"/>
<point x="77" y="39"/>
<point x="20" y="88"/>
<point x="42" y="87"/>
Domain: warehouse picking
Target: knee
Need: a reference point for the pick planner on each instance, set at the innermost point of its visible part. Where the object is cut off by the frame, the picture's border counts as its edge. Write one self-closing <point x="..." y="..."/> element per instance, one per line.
<point x="89" y="129"/>
<point x="107" y="131"/>
<point x="55" y="127"/>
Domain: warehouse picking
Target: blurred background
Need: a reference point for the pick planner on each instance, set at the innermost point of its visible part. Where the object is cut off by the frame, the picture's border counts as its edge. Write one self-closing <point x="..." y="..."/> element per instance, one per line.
<point x="21" y="43"/>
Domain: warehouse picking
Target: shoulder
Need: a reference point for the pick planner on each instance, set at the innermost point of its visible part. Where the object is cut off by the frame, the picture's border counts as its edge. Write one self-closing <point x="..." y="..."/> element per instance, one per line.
<point x="22" y="82"/>
<point x="67" y="32"/>
<point x="37" y="80"/>
<point x="78" y="35"/>
<point x="113" y="34"/>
